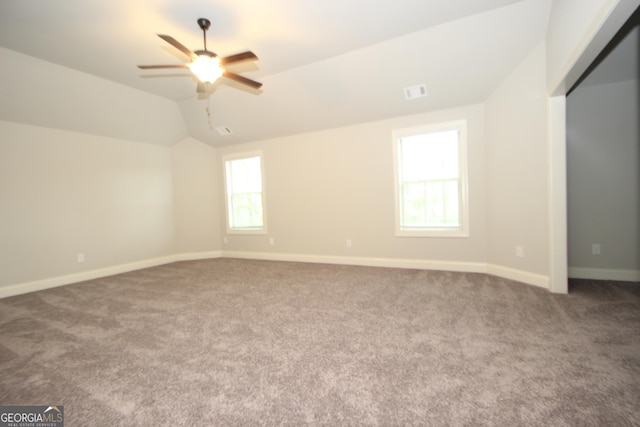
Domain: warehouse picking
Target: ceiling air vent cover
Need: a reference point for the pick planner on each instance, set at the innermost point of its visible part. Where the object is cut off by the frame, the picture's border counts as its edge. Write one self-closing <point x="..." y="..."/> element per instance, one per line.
<point x="224" y="130"/>
<point x="414" y="92"/>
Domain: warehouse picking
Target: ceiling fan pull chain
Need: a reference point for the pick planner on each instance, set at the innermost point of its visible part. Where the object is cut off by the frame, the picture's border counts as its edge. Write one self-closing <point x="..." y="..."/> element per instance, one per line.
<point x="208" y="110"/>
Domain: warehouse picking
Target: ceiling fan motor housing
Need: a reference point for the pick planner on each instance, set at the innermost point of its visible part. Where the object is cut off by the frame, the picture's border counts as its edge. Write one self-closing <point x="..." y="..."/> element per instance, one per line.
<point x="205" y="53"/>
<point x="204" y="24"/>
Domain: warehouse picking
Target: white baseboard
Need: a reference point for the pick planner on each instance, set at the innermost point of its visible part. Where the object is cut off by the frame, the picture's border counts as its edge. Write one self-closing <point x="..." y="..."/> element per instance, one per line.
<point x="194" y="256"/>
<point x="604" y="274"/>
<point x="518" y="275"/>
<point x="459" y="266"/>
<point x="419" y="264"/>
<point x="468" y="267"/>
<point x="38" y="285"/>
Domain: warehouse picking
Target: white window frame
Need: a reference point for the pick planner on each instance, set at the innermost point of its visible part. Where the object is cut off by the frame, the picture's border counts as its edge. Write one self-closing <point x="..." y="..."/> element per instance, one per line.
<point x="239" y="230"/>
<point x="463" y="203"/>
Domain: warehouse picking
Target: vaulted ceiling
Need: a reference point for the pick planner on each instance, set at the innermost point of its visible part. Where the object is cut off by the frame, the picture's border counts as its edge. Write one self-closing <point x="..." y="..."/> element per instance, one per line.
<point x="72" y="63"/>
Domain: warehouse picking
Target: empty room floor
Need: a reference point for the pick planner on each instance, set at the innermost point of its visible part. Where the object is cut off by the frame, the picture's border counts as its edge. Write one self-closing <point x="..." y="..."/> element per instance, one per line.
<point x="243" y="342"/>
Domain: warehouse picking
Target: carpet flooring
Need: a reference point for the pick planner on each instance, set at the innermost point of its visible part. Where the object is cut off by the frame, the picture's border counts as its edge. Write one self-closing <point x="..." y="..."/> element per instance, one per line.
<point x="231" y="342"/>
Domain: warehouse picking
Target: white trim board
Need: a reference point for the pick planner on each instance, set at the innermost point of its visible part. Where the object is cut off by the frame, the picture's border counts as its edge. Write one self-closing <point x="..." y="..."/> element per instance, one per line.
<point x="468" y="267"/>
<point x="52" y="282"/>
<point x="458" y="266"/>
<point x="557" y="193"/>
<point x="529" y="278"/>
<point x="604" y="274"/>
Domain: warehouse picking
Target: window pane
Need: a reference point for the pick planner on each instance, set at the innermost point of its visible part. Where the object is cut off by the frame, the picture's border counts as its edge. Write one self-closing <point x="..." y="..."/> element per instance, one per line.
<point x="245" y="175"/>
<point x="430" y="156"/>
<point x="430" y="204"/>
<point x="244" y="193"/>
<point x="246" y="210"/>
<point x="414" y="204"/>
<point x="451" y="204"/>
<point x="429" y="180"/>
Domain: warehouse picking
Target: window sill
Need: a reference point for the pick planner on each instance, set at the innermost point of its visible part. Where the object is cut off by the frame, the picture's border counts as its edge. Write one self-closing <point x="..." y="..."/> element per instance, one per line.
<point x="456" y="233"/>
<point x="249" y="231"/>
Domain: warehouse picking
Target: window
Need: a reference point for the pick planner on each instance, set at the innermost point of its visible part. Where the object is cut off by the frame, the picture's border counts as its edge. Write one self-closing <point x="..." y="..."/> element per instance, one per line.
<point x="244" y="193"/>
<point x="431" y="181"/>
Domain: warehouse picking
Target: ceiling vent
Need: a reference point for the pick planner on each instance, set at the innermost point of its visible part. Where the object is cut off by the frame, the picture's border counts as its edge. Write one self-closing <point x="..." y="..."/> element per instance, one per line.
<point x="414" y="92"/>
<point x="224" y="130"/>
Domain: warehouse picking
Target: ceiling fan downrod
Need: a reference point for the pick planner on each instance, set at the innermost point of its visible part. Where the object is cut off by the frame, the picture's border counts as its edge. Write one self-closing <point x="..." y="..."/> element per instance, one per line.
<point x="204" y="25"/>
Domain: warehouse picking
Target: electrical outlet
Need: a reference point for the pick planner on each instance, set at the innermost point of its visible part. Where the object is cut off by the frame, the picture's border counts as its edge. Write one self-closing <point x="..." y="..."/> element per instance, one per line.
<point x="596" y="249"/>
<point x="519" y="251"/>
<point x="225" y="239"/>
<point x="80" y="258"/>
<point x="272" y="241"/>
<point x="348" y="243"/>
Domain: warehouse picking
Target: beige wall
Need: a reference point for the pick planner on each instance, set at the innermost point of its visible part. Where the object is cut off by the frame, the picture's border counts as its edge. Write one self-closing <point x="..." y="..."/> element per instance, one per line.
<point x="64" y="193"/>
<point x="196" y="197"/>
<point x="326" y="187"/>
<point x="122" y="202"/>
<point x="516" y="165"/>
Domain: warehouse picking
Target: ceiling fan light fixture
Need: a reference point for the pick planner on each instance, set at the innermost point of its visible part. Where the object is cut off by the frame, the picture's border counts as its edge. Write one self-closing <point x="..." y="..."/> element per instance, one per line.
<point x="206" y="68"/>
<point x="206" y="65"/>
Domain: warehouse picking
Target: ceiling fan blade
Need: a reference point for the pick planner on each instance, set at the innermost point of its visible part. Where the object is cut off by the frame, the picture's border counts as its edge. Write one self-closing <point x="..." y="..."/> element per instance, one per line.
<point x="151" y="67"/>
<point x="240" y="79"/>
<point x="244" y="56"/>
<point x="175" y="43"/>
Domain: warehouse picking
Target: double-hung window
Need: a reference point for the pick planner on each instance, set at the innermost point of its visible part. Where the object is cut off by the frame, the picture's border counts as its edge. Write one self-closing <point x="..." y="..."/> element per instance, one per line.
<point x="431" y="180"/>
<point x="244" y="193"/>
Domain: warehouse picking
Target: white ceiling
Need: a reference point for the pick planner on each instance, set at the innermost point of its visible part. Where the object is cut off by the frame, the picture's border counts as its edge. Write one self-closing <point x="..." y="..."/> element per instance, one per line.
<point x="323" y="63"/>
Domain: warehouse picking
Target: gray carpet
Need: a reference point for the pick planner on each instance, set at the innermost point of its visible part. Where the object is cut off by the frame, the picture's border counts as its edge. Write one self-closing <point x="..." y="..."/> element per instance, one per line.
<point x="237" y="342"/>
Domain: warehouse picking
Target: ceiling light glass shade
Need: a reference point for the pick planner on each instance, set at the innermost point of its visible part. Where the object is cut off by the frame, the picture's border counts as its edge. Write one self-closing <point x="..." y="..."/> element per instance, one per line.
<point x="206" y="68"/>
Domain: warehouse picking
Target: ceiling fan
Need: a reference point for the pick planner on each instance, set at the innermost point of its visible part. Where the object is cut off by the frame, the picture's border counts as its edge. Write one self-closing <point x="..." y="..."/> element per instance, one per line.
<point x="206" y="65"/>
